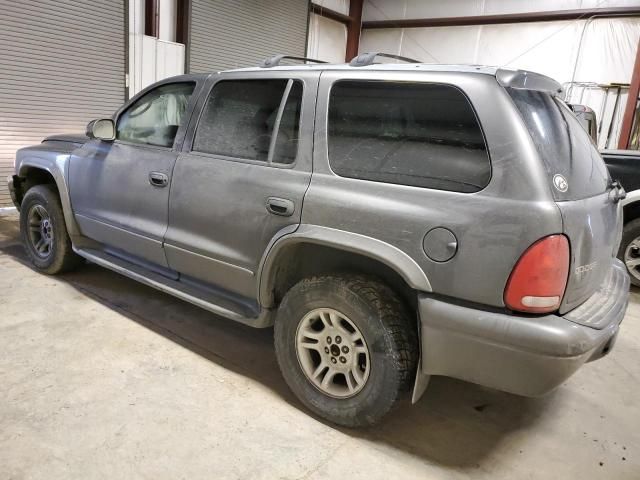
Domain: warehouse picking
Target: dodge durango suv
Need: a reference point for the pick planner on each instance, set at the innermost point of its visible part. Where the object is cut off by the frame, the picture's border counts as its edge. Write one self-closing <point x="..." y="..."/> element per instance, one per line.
<point x="390" y="221"/>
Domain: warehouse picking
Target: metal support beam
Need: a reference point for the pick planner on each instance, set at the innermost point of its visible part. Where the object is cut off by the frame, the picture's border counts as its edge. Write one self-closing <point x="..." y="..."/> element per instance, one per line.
<point x="632" y="102"/>
<point x="353" y="22"/>
<point x="331" y="14"/>
<point x="353" y="29"/>
<point x="504" y="18"/>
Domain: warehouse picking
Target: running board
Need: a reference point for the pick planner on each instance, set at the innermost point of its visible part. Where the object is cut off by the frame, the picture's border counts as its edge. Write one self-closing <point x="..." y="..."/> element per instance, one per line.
<point x="208" y="299"/>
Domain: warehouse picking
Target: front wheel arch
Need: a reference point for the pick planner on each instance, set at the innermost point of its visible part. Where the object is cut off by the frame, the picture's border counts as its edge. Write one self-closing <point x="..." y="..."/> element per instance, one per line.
<point x="33" y="173"/>
<point x="631" y="211"/>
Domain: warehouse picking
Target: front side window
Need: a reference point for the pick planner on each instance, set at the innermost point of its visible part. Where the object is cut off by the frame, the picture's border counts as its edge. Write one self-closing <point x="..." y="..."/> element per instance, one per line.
<point x="417" y="134"/>
<point x="241" y="116"/>
<point x="154" y="118"/>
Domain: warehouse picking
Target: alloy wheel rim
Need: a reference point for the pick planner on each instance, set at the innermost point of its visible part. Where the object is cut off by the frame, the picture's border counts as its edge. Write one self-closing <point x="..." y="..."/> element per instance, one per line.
<point x="332" y="353"/>
<point x="632" y="258"/>
<point x="40" y="231"/>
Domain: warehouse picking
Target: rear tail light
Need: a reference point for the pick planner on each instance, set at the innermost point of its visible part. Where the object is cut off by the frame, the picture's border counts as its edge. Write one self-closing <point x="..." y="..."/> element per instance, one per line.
<point x="538" y="280"/>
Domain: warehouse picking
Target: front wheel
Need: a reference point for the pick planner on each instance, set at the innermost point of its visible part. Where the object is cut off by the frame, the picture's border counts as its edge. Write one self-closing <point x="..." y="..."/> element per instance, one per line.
<point x="346" y="347"/>
<point x="44" y="233"/>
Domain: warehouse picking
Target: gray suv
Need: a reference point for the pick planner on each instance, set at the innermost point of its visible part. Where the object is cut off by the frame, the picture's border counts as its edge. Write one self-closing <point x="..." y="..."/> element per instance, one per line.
<point x="392" y="221"/>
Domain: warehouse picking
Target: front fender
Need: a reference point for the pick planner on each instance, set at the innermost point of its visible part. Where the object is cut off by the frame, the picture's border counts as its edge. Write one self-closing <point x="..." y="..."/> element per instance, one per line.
<point x="55" y="161"/>
<point x="370" y="247"/>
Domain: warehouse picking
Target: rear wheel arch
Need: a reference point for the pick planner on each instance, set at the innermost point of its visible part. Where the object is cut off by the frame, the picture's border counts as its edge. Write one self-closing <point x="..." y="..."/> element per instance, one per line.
<point x="313" y="250"/>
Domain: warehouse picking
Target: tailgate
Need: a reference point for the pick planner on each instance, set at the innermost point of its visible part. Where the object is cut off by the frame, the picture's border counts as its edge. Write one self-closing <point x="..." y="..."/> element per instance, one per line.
<point x="581" y="187"/>
<point x="594" y="227"/>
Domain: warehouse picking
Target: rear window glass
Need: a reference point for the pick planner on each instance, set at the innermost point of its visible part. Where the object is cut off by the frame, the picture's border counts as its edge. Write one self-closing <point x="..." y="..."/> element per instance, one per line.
<point x="418" y="134"/>
<point x="564" y="145"/>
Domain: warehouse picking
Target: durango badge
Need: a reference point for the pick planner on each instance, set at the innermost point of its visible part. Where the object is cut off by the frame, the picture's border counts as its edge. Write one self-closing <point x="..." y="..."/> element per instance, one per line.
<point x="560" y="183"/>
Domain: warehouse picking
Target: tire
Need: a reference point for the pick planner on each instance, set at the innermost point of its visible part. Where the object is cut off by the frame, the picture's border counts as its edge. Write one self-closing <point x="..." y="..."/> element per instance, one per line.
<point x="41" y="206"/>
<point x="628" y="252"/>
<point x="369" y="314"/>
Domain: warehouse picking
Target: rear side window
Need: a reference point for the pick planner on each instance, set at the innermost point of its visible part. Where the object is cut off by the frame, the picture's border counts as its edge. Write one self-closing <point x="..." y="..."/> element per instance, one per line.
<point x="241" y="118"/>
<point x="563" y="144"/>
<point x="417" y="134"/>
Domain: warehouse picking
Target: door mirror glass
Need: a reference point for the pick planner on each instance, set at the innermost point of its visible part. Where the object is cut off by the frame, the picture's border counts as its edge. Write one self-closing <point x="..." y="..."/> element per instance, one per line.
<point x="102" y="129"/>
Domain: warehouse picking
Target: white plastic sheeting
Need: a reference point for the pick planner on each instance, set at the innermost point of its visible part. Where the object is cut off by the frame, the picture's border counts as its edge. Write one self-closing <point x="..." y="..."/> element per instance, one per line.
<point x="605" y="55"/>
<point x="598" y="51"/>
<point x="404" y="9"/>
<point x="327" y="39"/>
<point x="581" y="54"/>
<point x="341" y="6"/>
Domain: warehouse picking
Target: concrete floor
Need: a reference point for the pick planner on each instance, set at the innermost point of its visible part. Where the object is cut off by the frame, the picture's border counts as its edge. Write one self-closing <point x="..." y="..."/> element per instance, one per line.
<point x="101" y="377"/>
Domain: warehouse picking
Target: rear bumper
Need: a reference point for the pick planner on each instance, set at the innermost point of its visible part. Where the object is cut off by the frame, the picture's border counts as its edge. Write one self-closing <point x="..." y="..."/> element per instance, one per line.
<point x="523" y="355"/>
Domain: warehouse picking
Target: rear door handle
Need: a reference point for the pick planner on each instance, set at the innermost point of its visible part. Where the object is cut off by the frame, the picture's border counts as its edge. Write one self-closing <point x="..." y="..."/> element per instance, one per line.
<point x="158" y="179"/>
<point x="280" y="206"/>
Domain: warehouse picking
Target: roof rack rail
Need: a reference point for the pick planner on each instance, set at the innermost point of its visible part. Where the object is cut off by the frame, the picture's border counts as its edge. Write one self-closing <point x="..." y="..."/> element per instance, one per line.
<point x="276" y="59"/>
<point x="368" y="58"/>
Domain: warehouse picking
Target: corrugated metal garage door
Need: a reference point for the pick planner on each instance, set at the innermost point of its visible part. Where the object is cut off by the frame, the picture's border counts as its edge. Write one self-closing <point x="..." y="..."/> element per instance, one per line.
<point x="241" y="33"/>
<point x="61" y="64"/>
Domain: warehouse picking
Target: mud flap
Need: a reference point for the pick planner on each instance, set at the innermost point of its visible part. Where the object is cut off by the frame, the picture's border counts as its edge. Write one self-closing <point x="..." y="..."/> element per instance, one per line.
<point x="421" y="383"/>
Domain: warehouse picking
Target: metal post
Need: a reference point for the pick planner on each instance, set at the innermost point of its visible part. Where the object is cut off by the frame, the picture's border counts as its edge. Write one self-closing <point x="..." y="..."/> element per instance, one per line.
<point x="353" y="29"/>
<point x="632" y="102"/>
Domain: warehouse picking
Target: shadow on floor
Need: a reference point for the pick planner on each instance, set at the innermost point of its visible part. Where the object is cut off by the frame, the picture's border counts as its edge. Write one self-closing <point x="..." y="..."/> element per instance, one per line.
<point x="456" y="424"/>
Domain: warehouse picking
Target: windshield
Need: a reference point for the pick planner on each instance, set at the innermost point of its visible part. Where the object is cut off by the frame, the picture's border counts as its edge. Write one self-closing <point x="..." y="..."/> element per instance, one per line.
<point x="574" y="166"/>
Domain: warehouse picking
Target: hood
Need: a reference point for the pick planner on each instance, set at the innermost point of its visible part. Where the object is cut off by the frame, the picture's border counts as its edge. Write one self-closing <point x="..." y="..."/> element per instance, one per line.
<point x="77" y="138"/>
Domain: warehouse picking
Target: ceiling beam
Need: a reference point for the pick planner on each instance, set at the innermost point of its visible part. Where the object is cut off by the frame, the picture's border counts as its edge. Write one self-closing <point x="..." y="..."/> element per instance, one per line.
<point x="331" y="14"/>
<point x="503" y="18"/>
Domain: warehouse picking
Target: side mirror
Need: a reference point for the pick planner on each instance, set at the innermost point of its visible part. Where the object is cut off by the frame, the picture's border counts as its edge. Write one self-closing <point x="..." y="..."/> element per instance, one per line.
<point x="587" y="118"/>
<point x="102" y="129"/>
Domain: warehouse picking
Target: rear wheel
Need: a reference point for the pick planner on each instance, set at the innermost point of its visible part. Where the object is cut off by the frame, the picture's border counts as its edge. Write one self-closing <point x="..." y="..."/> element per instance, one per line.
<point x="44" y="232"/>
<point x="346" y="347"/>
<point x="629" y="251"/>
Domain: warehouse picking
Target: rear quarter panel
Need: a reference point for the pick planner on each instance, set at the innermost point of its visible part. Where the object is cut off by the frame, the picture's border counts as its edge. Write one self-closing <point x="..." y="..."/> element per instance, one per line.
<point x="493" y="227"/>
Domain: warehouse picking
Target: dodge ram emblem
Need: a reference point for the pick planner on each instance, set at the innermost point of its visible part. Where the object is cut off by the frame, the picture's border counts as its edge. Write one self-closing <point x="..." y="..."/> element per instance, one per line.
<point x="560" y="183"/>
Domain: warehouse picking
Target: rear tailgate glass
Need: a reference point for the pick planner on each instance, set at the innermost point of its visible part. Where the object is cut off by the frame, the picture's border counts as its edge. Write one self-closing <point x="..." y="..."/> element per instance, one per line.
<point x="564" y="145"/>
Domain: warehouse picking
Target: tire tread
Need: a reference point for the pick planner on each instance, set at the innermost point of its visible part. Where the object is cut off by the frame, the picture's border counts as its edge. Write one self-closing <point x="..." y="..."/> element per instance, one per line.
<point x="400" y="335"/>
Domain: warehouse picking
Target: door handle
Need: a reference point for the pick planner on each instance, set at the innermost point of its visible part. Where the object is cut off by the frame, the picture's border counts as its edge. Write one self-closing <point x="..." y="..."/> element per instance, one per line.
<point x="158" y="179"/>
<point x="280" y="206"/>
